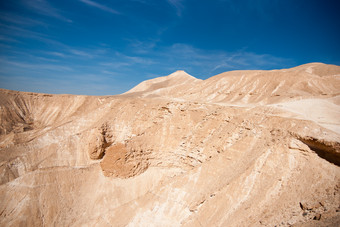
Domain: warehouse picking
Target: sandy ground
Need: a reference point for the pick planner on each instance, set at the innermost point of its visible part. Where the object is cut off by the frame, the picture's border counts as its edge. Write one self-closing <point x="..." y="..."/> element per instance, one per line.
<point x="324" y="112"/>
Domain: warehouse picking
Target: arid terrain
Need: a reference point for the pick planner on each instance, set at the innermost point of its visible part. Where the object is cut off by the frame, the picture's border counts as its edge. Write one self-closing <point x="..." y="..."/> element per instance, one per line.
<point x="242" y="148"/>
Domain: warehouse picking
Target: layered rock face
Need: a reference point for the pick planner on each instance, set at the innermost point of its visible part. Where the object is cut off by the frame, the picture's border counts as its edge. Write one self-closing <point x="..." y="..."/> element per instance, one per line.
<point x="243" y="148"/>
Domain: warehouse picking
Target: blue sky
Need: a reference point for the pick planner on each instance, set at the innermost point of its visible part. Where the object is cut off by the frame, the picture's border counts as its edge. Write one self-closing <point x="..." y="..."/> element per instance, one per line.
<point x="105" y="47"/>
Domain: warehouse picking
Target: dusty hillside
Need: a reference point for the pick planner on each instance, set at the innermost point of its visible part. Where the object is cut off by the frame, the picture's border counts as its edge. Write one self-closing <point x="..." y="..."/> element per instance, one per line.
<point x="243" y="148"/>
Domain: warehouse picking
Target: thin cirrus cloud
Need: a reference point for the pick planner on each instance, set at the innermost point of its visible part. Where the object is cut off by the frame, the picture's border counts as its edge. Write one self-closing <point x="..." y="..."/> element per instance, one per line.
<point x="100" y="6"/>
<point x="137" y="67"/>
<point x="14" y="33"/>
<point x="45" y="8"/>
<point x="178" y="5"/>
<point x="7" y="39"/>
<point x="81" y="53"/>
<point x="34" y="66"/>
<point x="205" y="63"/>
<point x="11" y="18"/>
<point x="56" y="54"/>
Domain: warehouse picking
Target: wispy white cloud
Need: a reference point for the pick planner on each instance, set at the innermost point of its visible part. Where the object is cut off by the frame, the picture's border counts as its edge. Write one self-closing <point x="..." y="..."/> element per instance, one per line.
<point x="178" y="5"/>
<point x="115" y="64"/>
<point x="8" y="39"/>
<point x="200" y="62"/>
<point x="211" y="62"/>
<point x="69" y="52"/>
<point x="81" y="53"/>
<point x="57" y="54"/>
<point x="19" y="20"/>
<point x="120" y="61"/>
<point x="142" y="47"/>
<point x="85" y="84"/>
<point x="45" y="8"/>
<point x="4" y="46"/>
<point x="109" y="72"/>
<point x="99" y="6"/>
<point x="139" y="60"/>
<point x="82" y="65"/>
<point x="33" y="66"/>
<point x="33" y="56"/>
<point x="17" y="33"/>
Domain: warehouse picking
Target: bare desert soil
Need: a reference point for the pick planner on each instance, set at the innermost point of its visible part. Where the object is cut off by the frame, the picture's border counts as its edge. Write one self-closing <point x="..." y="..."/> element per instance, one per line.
<point x="242" y="148"/>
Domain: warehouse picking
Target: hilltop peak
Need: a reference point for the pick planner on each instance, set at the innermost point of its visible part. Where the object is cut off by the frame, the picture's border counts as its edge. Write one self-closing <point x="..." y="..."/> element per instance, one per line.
<point x="173" y="80"/>
<point x="180" y="73"/>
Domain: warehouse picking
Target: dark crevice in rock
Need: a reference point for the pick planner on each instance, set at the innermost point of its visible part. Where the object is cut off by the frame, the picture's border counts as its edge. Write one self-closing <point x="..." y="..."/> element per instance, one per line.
<point x="328" y="150"/>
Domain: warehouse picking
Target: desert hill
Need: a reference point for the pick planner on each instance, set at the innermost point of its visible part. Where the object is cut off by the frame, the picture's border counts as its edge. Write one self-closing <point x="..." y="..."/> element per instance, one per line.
<point x="243" y="148"/>
<point x="248" y="87"/>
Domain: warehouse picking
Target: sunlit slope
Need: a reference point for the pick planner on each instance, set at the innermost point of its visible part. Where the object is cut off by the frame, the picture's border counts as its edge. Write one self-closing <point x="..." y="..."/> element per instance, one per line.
<point x="243" y="148"/>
